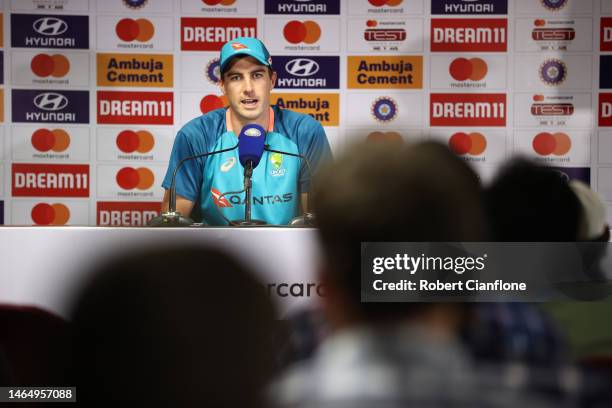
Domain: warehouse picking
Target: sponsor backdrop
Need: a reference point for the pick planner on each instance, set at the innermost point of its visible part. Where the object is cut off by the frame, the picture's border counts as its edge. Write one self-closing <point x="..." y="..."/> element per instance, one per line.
<point x="92" y="92"/>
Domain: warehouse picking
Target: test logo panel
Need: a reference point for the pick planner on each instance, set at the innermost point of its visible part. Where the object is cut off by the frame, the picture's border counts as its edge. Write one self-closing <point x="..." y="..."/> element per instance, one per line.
<point x="49" y="31"/>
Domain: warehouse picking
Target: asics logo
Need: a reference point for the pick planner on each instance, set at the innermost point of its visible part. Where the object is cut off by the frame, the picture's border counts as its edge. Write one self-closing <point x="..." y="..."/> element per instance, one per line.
<point x="50" y="101"/>
<point x="50" y="26"/>
<point x="228" y="164"/>
<point x="302" y="67"/>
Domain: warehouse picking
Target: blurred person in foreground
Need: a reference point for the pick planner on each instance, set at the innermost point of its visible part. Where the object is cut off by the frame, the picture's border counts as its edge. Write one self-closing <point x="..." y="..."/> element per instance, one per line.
<point x="524" y="203"/>
<point x="394" y="354"/>
<point x="197" y="334"/>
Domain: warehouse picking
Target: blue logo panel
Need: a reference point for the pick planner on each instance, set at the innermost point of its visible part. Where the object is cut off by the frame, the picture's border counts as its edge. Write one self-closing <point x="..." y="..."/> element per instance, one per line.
<point x="307" y="72"/>
<point x="575" y="173"/>
<point x="605" y="72"/>
<point x="469" y="7"/>
<point x="302" y="7"/>
<point x="49" y="31"/>
<point x="36" y="106"/>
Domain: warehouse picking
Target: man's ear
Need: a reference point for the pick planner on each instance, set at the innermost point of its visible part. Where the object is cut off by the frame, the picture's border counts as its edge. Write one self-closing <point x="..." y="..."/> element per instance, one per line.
<point x="222" y="86"/>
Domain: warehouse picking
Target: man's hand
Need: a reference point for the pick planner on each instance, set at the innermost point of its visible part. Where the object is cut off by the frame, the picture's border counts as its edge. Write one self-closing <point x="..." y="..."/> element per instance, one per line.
<point x="183" y="205"/>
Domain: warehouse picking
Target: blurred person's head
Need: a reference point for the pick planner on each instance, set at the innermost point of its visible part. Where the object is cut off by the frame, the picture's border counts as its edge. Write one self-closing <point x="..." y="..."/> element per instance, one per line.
<point x="389" y="193"/>
<point x="593" y="223"/>
<point x="531" y="203"/>
<point x="173" y="327"/>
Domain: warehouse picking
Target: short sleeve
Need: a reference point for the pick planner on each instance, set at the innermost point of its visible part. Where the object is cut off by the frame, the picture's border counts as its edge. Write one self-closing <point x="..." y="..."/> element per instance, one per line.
<point x="189" y="176"/>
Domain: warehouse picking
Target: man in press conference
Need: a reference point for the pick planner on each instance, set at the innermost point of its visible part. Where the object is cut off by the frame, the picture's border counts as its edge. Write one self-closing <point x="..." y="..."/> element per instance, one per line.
<point x="280" y="182"/>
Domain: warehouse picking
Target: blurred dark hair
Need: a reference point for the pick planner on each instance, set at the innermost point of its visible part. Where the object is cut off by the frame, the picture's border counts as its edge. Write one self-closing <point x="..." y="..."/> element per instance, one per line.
<point x="531" y="203"/>
<point x="173" y="327"/>
<point x="389" y="193"/>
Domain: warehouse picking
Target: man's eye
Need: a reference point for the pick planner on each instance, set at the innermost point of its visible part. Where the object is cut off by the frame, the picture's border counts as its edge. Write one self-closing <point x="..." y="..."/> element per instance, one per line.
<point x="257" y="75"/>
<point x="235" y="77"/>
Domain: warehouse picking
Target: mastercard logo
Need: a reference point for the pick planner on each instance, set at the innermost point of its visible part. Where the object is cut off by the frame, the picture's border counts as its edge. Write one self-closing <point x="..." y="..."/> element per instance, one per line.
<point x="467" y="143"/>
<point x="297" y="32"/>
<point x="212" y="102"/>
<point x="557" y="144"/>
<point x="129" y="141"/>
<point x="539" y="23"/>
<point x="217" y="2"/>
<point x="44" y="140"/>
<point x="129" y="178"/>
<point x="390" y="3"/>
<point x="385" y="137"/>
<point x="50" y="214"/>
<point x="538" y="98"/>
<point x="140" y="30"/>
<point x="462" y="69"/>
<point x="44" y="65"/>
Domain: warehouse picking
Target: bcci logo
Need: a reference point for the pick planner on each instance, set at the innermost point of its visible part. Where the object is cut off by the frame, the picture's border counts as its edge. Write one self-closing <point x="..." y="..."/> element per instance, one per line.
<point x="384" y="109"/>
<point x="553" y="72"/>
<point x="213" y="71"/>
<point x="135" y="4"/>
<point x="553" y="5"/>
<point x="276" y="159"/>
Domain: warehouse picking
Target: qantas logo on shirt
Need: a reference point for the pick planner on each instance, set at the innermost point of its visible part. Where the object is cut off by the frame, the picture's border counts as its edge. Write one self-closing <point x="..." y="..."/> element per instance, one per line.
<point x="220" y="202"/>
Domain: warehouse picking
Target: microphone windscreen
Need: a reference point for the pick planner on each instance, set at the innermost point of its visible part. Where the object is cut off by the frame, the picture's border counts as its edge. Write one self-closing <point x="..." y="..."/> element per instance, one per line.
<point x="251" y="144"/>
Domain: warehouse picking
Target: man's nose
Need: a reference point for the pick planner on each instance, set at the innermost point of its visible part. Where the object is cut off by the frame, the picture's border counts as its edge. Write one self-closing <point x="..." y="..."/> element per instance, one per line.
<point x="248" y="85"/>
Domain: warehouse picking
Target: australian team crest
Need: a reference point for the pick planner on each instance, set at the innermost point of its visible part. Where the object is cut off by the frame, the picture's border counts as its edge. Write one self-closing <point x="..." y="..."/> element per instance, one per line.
<point x="276" y="159"/>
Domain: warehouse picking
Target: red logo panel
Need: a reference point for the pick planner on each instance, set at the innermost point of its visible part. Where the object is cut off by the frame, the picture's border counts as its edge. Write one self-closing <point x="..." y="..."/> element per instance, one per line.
<point x="467" y="110"/>
<point x="605" y="109"/>
<point x="143" y="108"/>
<point x="605" y="35"/>
<point x="209" y="34"/>
<point x="126" y="214"/>
<point x="460" y="34"/>
<point x="50" y="180"/>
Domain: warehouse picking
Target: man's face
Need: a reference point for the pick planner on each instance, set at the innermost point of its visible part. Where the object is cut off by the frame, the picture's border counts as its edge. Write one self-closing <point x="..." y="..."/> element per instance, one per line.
<point x="247" y="85"/>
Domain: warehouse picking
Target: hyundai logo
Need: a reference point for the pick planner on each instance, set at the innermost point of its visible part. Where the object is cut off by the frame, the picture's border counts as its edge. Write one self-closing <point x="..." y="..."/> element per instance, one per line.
<point x="302" y="67"/>
<point x="50" y="26"/>
<point x="50" y="101"/>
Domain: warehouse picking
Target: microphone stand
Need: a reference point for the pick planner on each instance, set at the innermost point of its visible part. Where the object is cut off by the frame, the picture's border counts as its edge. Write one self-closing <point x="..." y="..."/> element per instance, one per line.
<point x="248" y="184"/>
<point x="173" y="218"/>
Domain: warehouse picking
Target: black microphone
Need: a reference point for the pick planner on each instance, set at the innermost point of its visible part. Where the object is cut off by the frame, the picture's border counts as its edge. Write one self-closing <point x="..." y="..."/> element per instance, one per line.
<point x="250" y="149"/>
<point x="173" y="218"/>
<point x="307" y="219"/>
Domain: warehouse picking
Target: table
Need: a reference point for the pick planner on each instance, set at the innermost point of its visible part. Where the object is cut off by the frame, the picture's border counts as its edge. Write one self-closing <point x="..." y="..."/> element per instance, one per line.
<point x="44" y="266"/>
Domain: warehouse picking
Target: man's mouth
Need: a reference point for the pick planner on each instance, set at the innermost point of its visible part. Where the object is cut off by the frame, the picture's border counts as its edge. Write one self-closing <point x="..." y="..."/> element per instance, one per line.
<point x="249" y="102"/>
